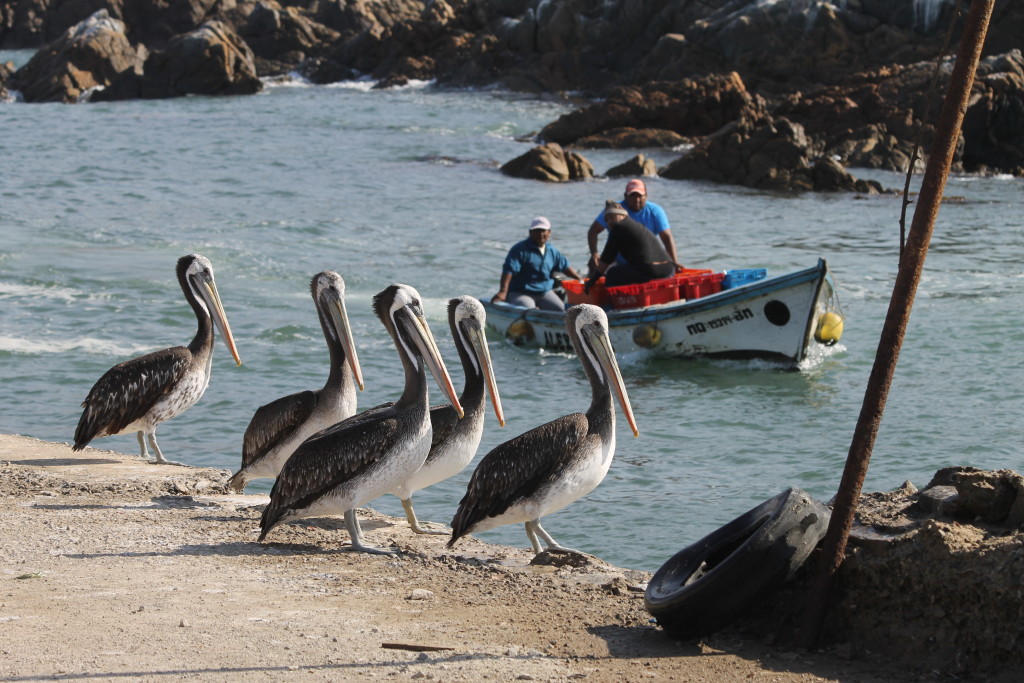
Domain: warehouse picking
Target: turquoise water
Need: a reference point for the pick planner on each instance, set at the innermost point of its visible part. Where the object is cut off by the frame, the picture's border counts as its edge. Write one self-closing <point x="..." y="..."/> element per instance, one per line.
<point x="97" y="202"/>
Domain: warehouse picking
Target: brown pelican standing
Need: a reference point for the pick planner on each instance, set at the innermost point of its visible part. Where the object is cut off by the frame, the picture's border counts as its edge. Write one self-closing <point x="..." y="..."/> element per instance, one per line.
<point x="550" y="466"/>
<point x="369" y="454"/>
<point x="139" y="394"/>
<point x="455" y="440"/>
<point x="278" y="428"/>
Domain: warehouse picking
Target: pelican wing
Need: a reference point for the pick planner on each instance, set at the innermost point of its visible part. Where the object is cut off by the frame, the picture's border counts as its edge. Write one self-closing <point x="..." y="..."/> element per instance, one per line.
<point x="518" y="467"/>
<point x="443" y="422"/>
<point x="273" y="423"/>
<point x="127" y="391"/>
<point x="329" y="459"/>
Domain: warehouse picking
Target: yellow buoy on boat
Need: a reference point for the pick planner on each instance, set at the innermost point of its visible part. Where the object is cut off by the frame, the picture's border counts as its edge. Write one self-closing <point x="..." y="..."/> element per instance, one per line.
<point x="646" y="336"/>
<point x="520" y="332"/>
<point x="830" y="328"/>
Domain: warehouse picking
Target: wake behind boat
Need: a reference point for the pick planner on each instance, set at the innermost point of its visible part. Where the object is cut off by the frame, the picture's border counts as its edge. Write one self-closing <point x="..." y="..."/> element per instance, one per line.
<point x="779" y="319"/>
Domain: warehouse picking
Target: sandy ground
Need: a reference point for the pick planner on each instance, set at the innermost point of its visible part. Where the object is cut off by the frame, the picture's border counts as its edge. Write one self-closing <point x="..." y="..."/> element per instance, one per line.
<point x="115" y="569"/>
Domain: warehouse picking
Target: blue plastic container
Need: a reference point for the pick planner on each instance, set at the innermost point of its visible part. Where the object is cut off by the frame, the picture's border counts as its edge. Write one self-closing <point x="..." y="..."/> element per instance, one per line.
<point x="743" y="276"/>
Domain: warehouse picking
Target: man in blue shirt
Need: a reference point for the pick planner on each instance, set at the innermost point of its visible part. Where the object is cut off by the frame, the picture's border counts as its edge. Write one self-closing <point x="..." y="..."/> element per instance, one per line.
<point x="526" y="276"/>
<point x="649" y="214"/>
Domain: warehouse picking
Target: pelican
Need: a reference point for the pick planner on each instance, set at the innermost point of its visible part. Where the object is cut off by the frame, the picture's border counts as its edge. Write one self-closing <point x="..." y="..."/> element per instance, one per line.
<point x="372" y="453"/>
<point x="278" y="428"/>
<point x="550" y="466"/>
<point x="455" y="440"/>
<point x="139" y="394"/>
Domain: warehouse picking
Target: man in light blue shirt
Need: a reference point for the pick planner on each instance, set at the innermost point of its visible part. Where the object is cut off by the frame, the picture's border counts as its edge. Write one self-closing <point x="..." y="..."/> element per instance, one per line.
<point x="526" y="278"/>
<point x="649" y="214"/>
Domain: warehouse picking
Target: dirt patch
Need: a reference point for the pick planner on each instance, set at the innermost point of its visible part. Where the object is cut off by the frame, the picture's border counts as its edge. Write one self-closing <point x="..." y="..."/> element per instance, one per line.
<point x="114" y="568"/>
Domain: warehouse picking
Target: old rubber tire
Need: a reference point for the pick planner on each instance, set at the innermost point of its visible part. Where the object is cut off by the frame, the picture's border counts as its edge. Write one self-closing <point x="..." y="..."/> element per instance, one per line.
<point x="710" y="583"/>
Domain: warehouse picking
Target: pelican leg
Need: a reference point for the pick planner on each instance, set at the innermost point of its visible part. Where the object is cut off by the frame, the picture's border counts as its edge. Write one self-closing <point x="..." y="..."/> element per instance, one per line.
<point x="142" y="445"/>
<point x="532" y="535"/>
<point x="414" y="523"/>
<point x="160" y="459"/>
<point x="356" y="535"/>
<point x="553" y="546"/>
<point x="156" y="448"/>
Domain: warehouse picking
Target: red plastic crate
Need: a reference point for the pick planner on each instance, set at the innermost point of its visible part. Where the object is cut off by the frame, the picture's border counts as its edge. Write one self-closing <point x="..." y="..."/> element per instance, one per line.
<point x="686" y="272"/>
<point x="645" y="294"/>
<point x="598" y="295"/>
<point x="698" y="285"/>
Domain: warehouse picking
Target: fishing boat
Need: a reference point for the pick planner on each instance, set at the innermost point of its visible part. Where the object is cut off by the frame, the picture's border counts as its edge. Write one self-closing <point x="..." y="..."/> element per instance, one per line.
<point x="739" y="314"/>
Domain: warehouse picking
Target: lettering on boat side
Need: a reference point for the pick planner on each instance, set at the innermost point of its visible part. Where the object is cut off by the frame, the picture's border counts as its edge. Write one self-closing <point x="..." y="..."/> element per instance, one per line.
<point x="557" y="340"/>
<point x="715" y="323"/>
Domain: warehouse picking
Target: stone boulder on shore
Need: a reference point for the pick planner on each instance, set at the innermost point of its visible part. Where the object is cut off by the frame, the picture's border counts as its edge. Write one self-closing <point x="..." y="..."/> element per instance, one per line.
<point x="767" y="154"/>
<point x="211" y="60"/>
<point x="94" y="59"/>
<point x="551" y="163"/>
<point x="89" y="55"/>
<point x="687" y="109"/>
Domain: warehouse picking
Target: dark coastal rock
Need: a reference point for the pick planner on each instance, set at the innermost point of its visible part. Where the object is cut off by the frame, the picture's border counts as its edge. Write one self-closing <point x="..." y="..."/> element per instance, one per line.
<point x="632" y="138"/>
<point x="281" y="38"/>
<point x="637" y="167"/>
<point x="855" y="75"/>
<point x="91" y="54"/>
<point x="550" y="163"/>
<point x="768" y="154"/>
<point x="211" y="60"/>
<point x="688" y="108"/>
<point x="31" y="23"/>
<point x="992" y="131"/>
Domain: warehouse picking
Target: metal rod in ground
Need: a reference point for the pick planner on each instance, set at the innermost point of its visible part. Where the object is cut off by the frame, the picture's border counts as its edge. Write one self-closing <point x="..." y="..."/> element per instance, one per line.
<point x="937" y="170"/>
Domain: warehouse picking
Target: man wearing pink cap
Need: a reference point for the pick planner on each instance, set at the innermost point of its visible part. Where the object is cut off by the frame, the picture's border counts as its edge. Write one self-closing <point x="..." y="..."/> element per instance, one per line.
<point x="649" y="214"/>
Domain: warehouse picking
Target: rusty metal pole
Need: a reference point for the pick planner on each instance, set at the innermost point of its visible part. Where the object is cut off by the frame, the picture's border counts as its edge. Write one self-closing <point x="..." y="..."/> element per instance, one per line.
<point x="946" y="134"/>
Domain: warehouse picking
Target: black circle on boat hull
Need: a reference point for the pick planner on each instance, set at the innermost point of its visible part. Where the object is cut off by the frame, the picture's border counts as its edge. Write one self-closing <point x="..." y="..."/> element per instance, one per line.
<point x="707" y="585"/>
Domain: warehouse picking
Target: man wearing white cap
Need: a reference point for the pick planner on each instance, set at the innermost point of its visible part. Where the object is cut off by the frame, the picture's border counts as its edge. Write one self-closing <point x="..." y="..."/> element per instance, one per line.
<point x="526" y="278"/>
<point x="649" y="214"/>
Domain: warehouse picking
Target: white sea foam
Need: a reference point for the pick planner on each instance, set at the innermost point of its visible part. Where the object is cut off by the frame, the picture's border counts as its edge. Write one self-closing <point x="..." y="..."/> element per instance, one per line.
<point x="18" y="290"/>
<point x="102" y="347"/>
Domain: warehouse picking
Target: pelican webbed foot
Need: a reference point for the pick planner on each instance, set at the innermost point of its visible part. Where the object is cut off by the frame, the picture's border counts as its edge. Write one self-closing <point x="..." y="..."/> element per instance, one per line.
<point x="414" y="523"/>
<point x="355" y="534"/>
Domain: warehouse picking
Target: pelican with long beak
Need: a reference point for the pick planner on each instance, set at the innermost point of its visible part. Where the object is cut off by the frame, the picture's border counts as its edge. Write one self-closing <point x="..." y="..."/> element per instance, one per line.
<point x="278" y="428"/>
<point x="373" y="452"/>
<point x="455" y="440"/>
<point x="139" y="394"/>
<point x="550" y="466"/>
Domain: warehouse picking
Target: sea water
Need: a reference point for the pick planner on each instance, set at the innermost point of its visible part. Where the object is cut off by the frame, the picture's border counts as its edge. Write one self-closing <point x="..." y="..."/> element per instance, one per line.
<point x="98" y="201"/>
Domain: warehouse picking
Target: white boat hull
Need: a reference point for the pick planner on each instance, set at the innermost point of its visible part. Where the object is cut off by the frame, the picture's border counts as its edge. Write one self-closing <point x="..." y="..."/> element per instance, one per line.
<point x="774" y="319"/>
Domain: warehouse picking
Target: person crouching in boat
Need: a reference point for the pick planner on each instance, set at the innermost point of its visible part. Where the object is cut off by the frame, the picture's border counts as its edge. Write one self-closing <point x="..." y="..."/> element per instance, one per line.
<point x="645" y="257"/>
<point x="526" y="277"/>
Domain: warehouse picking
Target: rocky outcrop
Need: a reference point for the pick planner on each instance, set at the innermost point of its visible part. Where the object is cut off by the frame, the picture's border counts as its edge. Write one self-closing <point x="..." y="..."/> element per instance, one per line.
<point x="767" y="154"/>
<point x="551" y="163"/>
<point x="637" y="167"/>
<point x="688" y="108"/>
<point x="282" y="38"/>
<point x="855" y="75"/>
<point x="89" y="55"/>
<point x="211" y="60"/>
<point x="992" y="131"/>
